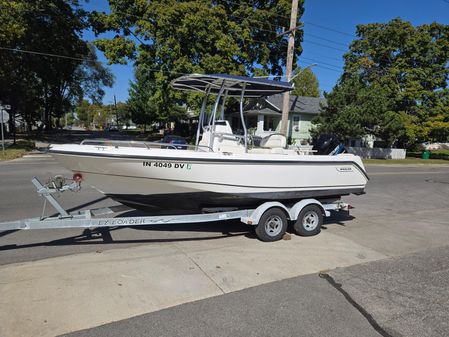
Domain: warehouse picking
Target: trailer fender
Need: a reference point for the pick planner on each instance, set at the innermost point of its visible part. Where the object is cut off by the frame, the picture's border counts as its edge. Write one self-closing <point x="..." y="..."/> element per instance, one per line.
<point x="254" y="217"/>
<point x="296" y="209"/>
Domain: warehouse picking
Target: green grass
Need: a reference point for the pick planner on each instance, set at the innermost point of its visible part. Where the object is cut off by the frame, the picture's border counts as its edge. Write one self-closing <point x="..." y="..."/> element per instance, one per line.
<point x="440" y="152"/>
<point x="18" y="150"/>
<point x="435" y="154"/>
<point x="406" y="161"/>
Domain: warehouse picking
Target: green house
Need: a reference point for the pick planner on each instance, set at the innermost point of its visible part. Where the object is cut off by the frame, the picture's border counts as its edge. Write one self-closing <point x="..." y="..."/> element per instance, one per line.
<point x="263" y="116"/>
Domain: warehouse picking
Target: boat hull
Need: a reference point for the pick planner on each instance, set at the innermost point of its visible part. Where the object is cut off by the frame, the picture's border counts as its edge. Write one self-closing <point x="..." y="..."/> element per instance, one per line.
<point x="173" y="181"/>
<point x="175" y="203"/>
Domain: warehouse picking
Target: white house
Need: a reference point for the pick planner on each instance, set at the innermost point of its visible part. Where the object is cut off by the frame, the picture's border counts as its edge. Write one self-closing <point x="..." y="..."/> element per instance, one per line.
<point x="263" y="116"/>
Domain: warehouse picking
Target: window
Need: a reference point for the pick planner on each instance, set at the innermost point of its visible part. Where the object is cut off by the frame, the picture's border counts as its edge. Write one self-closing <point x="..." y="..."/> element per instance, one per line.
<point x="296" y="123"/>
<point x="269" y="123"/>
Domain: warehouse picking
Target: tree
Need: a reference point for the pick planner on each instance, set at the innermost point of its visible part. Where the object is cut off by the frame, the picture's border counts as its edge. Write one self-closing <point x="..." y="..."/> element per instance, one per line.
<point x="355" y="109"/>
<point x="306" y="83"/>
<point x="96" y="115"/>
<point x="402" y="72"/>
<point x="82" y="113"/>
<point x="140" y="106"/>
<point x="40" y="86"/>
<point x="171" y="37"/>
<point x="121" y="113"/>
<point x="91" y="77"/>
<point x="101" y="115"/>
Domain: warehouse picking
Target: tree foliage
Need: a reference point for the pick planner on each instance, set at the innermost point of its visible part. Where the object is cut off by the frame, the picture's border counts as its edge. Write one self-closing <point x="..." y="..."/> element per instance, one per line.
<point x="32" y="81"/>
<point x="306" y="83"/>
<point x="169" y="38"/>
<point x="97" y="115"/>
<point x="394" y="84"/>
<point x="141" y="108"/>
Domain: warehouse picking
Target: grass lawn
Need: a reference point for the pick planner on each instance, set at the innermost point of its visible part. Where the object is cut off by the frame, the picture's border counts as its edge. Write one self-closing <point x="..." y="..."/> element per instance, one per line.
<point x="406" y="161"/>
<point x="21" y="148"/>
<point x="440" y="152"/>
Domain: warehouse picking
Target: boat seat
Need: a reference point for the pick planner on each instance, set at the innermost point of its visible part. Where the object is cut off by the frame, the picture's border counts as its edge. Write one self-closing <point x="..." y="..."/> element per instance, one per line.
<point x="224" y="139"/>
<point x="228" y="143"/>
<point x="276" y="140"/>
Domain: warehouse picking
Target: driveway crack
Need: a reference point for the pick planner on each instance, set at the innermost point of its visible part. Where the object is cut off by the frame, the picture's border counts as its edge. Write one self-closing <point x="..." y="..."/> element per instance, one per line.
<point x="201" y="269"/>
<point x="356" y="305"/>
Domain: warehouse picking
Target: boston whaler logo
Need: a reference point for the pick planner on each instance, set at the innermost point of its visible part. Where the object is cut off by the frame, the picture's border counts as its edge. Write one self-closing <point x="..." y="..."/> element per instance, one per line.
<point x="344" y="169"/>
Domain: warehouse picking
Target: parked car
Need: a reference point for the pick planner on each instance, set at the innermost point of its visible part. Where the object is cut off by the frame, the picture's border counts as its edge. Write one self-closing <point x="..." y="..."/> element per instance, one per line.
<point x="177" y="141"/>
<point x="111" y="128"/>
<point x="129" y="127"/>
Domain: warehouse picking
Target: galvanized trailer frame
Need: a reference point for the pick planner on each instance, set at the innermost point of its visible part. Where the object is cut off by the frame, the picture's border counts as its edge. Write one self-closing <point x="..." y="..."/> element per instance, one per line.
<point x="90" y="218"/>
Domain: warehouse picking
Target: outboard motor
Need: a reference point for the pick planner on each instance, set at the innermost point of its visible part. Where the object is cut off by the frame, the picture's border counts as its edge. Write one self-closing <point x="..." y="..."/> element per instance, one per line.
<point x="328" y="144"/>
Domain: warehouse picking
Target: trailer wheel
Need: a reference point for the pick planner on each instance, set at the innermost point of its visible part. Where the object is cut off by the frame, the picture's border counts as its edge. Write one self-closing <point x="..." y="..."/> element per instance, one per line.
<point x="309" y="221"/>
<point x="272" y="225"/>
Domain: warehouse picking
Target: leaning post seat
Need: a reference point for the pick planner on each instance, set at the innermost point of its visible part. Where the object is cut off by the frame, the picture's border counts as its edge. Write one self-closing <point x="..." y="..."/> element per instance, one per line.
<point x="223" y="138"/>
<point x="275" y="140"/>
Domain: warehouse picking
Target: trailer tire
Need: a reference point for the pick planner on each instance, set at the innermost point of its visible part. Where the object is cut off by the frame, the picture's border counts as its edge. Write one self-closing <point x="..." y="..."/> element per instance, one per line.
<point x="309" y="221"/>
<point x="272" y="225"/>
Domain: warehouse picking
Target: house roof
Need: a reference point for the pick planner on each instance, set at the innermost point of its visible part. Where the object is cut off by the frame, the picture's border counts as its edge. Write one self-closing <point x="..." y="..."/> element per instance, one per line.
<point x="299" y="104"/>
<point x="272" y="105"/>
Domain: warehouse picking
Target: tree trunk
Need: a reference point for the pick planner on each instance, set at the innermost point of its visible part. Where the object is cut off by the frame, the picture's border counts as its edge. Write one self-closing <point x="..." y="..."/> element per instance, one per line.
<point x="48" y="114"/>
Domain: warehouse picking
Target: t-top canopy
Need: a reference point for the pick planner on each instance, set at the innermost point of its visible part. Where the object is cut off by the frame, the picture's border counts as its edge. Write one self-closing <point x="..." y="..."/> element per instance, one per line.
<point x="255" y="87"/>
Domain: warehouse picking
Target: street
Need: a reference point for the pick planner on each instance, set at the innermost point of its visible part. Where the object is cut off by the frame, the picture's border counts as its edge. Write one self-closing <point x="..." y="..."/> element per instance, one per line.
<point x="374" y="265"/>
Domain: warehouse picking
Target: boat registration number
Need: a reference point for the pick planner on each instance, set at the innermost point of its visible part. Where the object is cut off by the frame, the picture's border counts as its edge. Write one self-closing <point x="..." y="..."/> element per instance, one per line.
<point x="160" y="164"/>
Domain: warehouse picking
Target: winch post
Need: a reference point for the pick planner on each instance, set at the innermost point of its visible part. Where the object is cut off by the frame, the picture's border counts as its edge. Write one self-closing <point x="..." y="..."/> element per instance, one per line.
<point x="46" y="193"/>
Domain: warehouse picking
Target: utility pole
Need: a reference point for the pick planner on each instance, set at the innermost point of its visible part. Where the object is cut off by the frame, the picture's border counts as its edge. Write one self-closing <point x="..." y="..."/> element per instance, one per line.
<point x="116" y="113"/>
<point x="288" y="69"/>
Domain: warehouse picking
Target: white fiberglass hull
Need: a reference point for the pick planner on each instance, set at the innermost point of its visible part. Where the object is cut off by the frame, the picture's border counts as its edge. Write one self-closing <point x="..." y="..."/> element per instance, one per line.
<point x="165" y="179"/>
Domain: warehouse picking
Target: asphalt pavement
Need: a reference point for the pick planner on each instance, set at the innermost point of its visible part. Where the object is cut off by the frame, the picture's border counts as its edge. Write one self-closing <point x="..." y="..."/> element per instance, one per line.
<point x="395" y="243"/>
<point x="303" y="306"/>
<point x="400" y="200"/>
<point x="405" y="296"/>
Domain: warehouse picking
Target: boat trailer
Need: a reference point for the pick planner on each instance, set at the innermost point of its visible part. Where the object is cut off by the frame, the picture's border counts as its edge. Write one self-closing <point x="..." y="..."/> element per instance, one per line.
<point x="271" y="219"/>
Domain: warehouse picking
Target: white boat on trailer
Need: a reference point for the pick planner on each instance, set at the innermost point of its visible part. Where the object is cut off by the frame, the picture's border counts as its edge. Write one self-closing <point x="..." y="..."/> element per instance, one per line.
<point x="221" y="170"/>
<point x="221" y="177"/>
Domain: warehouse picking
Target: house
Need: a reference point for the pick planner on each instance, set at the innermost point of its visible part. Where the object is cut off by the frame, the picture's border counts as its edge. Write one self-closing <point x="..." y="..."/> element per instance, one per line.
<point x="263" y="116"/>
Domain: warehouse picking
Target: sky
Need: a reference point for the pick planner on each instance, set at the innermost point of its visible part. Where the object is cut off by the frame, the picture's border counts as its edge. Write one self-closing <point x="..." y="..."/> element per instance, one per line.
<point x="329" y="28"/>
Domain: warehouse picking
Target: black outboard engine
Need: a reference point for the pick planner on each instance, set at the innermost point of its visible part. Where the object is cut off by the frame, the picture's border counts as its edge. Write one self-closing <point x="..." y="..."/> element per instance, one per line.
<point x="328" y="144"/>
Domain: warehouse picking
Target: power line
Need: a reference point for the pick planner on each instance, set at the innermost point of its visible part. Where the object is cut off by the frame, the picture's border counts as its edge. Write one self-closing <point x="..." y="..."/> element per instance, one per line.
<point x="329" y="29"/>
<point x="261" y="29"/>
<point x="306" y="22"/>
<point x="328" y="40"/>
<point x="327" y="68"/>
<point x="277" y="29"/>
<point x="271" y="31"/>
<point x="80" y="59"/>
<point x="325" y="56"/>
<point x="47" y="54"/>
<point x="232" y="16"/>
<point x="148" y="69"/>
<point x="327" y="64"/>
<point x="324" y="46"/>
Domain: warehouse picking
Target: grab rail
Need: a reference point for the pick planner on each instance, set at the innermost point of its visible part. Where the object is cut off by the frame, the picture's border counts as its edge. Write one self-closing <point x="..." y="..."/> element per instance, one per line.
<point x="143" y="144"/>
